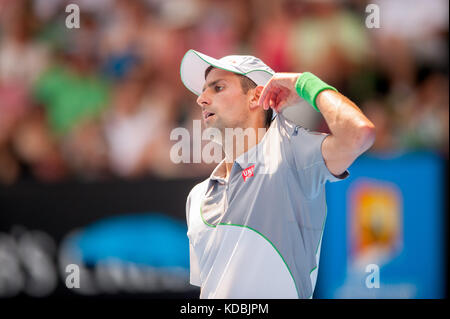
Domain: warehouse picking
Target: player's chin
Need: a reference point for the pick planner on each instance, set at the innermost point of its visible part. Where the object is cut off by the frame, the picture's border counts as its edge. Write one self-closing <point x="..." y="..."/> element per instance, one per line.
<point x="210" y="120"/>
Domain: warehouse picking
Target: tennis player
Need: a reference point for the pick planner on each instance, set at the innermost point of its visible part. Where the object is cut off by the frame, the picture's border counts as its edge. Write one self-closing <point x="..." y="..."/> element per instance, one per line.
<point x="255" y="225"/>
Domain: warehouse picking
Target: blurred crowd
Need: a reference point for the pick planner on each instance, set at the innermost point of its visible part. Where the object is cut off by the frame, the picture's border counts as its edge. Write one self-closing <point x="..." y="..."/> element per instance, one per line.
<point x="100" y="101"/>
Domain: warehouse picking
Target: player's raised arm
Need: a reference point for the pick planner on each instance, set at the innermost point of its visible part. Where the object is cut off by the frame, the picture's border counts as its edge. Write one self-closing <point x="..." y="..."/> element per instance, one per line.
<point x="352" y="133"/>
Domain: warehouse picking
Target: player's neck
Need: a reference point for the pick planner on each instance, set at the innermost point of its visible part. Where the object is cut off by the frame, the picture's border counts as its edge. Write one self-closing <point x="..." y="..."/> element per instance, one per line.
<point x="240" y="144"/>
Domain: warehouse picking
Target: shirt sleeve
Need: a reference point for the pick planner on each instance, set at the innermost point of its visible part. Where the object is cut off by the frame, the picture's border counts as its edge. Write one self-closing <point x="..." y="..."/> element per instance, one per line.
<point x="193" y="260"/>
<point x="305" y="152"/>
<point x="194" y="268"/>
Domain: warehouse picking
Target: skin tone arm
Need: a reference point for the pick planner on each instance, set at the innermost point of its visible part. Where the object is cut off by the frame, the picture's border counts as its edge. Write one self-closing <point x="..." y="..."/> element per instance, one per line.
<point x="352" y="133"/>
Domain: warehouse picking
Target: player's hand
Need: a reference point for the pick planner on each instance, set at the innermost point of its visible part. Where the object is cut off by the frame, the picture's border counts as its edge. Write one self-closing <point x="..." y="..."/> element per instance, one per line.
<point x="280" y="92"/>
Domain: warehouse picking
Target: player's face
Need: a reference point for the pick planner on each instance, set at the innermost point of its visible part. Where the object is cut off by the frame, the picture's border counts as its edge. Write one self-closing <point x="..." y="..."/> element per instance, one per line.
<point x="223" y="102"/>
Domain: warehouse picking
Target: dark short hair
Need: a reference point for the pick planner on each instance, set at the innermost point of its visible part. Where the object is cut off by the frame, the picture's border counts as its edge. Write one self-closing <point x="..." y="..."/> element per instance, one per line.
<point x="246" y="85"/>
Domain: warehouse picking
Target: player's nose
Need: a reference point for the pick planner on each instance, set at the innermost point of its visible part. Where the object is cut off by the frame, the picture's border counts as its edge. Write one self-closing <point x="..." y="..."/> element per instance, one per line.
<point x="203" y="99"/>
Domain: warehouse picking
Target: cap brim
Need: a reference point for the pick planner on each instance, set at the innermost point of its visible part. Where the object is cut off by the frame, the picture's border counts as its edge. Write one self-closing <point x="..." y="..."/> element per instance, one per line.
<point x="193" y="67"/>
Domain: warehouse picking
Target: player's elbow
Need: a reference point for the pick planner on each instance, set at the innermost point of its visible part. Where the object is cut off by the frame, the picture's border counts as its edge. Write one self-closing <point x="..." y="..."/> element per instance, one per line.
<point x="365" y="137"/>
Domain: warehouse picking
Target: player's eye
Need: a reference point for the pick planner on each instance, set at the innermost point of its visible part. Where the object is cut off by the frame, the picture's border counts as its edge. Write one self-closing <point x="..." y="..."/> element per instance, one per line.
<point x="218" y="88"/>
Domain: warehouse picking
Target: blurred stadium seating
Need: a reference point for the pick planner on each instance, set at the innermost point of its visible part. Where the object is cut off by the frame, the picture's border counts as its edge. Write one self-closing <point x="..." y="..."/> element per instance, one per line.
<point x="92" y="108"/>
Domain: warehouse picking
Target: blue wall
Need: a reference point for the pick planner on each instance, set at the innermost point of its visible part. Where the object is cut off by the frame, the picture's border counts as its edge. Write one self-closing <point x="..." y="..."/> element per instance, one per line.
<point x="412" y="259"/>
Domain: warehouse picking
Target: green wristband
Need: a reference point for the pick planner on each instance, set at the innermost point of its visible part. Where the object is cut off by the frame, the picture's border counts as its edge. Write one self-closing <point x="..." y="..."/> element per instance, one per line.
<point x="308" y="86"/>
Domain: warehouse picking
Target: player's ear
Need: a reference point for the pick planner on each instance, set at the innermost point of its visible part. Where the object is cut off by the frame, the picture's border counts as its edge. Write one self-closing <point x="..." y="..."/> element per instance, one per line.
<point x="254" y="96"/>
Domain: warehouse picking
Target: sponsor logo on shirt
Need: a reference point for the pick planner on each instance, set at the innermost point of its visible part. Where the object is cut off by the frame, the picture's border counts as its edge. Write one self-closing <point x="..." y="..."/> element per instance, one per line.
<point x="248" y="172"/>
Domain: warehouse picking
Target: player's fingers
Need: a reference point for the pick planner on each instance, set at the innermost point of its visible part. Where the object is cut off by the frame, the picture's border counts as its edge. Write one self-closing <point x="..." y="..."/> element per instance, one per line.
<point x="265" y="94"/>
<point x="281" y="99"/>
<point x="276" y="97"/>
<point x="267" y="99"/>
<point x="280" y="105"/>
<point x="262" y="96"/>
<point x="273" y="99"/>
<point x="278" y="101"/>
<point x="263" y="99"/>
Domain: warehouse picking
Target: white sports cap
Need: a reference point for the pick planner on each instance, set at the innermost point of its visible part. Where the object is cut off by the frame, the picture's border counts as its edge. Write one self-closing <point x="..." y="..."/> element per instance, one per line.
<point x="194" y="65"/>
